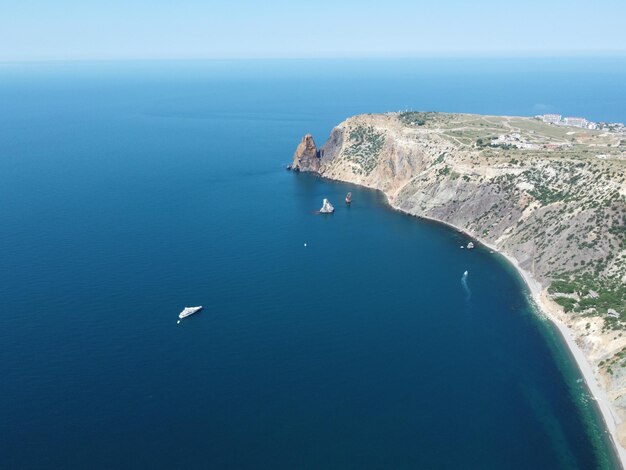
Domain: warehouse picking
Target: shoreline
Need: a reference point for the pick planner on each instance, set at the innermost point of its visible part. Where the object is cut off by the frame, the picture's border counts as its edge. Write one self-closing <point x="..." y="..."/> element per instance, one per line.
<point x="607" y="411"/>
<point x="597" y="393"/>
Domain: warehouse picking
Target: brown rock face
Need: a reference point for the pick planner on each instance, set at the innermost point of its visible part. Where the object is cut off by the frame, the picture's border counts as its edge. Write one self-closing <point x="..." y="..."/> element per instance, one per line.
<point x="306" y="157"/>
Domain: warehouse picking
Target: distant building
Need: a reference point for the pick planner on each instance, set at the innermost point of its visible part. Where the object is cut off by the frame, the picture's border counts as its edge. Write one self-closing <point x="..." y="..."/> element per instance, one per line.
<point x="551" y="118"/>
<point x="568" y="121"/>
<point x="611" y="126"/>
<point x="513" y="140"/>
<point x="575" y="122"/>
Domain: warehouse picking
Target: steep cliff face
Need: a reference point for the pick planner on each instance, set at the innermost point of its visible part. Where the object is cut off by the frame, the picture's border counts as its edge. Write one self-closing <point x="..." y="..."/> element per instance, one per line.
<point x="552" y="198"/>
<point x="554" y="212"/>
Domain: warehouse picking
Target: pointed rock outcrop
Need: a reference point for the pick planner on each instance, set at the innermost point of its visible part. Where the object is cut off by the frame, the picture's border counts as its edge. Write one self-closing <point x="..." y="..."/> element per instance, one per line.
<point x="307" y="156"/>
<point x="327" y="207"/>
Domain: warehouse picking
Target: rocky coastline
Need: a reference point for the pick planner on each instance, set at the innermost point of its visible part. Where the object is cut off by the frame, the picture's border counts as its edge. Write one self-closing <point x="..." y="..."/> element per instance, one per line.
<point x="553" y="208"/>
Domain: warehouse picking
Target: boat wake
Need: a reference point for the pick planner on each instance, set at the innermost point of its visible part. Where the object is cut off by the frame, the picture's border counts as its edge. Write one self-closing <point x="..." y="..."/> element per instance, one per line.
<point x="468" y="292"/>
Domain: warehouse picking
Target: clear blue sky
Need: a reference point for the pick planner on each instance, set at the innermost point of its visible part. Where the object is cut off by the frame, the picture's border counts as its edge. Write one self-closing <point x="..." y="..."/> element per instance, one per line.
<point x="158" y="29"/>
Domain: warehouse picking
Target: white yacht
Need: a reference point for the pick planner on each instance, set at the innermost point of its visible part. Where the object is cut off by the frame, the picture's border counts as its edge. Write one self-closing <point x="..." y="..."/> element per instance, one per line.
<point x="189" y="311"/>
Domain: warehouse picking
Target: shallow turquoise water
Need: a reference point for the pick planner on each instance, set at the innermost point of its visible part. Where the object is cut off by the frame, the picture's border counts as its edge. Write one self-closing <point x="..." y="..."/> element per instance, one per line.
<point x="128" y="191"/>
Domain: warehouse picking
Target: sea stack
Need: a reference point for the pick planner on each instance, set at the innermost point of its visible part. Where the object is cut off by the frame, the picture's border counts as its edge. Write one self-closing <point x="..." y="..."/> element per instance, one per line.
<point x="327" y="207"/>
<point x="307" y="156"/>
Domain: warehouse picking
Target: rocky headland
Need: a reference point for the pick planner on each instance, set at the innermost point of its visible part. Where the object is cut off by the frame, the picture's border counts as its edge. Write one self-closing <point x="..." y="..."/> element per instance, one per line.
<point x="551" y="198"/>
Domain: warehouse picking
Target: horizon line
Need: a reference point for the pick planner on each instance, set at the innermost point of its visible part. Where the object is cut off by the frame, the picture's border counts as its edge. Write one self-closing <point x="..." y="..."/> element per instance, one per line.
<point x="443" y="55"/>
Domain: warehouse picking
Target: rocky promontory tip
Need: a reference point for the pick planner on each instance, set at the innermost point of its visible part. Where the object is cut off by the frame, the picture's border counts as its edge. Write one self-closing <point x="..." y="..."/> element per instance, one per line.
<point x="307" y="156"/>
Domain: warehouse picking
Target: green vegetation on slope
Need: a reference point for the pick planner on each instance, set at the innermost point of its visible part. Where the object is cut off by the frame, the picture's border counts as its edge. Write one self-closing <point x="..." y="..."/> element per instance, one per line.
<point x="364" y="149"/>
<point x="589" y="294"/>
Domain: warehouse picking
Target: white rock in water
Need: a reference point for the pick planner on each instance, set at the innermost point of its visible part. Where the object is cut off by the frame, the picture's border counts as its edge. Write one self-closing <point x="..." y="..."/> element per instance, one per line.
<point x="327" y="207"/>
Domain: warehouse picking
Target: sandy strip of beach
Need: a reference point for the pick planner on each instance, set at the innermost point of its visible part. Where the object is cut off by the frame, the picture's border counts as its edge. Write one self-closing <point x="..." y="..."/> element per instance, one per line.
<point x="609" y="414"/>
<point x="611" y="418"/>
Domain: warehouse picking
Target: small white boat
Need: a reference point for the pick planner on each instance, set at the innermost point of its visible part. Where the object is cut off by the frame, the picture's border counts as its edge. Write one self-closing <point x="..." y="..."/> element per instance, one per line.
<point x="189" y="311"/>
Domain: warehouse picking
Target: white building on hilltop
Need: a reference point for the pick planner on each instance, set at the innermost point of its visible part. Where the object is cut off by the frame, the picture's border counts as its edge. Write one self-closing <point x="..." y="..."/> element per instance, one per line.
<point x="575" y="122"/>
<point x="568" y="121"/>
<point x="551" y="118"/>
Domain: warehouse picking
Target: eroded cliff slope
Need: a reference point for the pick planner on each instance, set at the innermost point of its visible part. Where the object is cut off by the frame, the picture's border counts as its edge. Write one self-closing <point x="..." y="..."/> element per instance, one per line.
<point x="552" y="197"/>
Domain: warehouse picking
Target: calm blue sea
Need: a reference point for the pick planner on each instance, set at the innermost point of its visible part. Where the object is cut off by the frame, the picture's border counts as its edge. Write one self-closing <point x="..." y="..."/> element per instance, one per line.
<point x="131" y="190"/>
